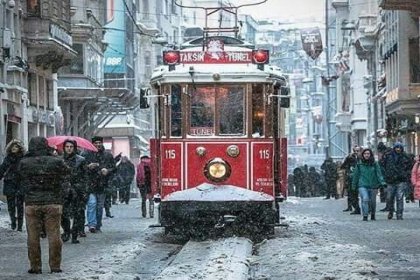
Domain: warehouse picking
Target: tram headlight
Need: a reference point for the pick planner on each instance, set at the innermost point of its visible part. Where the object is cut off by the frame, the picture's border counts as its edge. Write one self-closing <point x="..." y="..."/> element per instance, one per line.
<point x="217" y="170"/>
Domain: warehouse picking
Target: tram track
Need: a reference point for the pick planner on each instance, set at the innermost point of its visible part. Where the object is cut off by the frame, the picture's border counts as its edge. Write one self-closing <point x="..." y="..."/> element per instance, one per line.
<point x="224" y="258"/>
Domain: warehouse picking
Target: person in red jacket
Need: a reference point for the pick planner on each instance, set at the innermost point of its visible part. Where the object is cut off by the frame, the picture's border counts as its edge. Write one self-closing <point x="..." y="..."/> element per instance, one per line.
<point x="143" y="179"/>
<point x="415" y="177"/>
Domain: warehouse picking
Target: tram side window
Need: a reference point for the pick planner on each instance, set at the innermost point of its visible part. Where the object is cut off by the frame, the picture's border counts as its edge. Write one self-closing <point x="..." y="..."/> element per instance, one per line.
<point x="176" y="109"/>
<point x="230" y="105"/>
<point x="202" y="111"/>
<point x="257" y="111"/>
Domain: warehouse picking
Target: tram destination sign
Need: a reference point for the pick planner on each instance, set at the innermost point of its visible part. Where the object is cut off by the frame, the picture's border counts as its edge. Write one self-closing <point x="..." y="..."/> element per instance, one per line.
<point x="191" y="57"/>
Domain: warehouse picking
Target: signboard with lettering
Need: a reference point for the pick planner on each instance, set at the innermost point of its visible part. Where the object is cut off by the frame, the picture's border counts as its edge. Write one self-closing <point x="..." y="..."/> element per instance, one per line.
<point x="60" y="34"/>
<point x="190" y="57"/>
<point x="114" y="37"/>
<point x="262" y="167"/>
<point x="311" y="42"/>
<point x="171" y="157"/>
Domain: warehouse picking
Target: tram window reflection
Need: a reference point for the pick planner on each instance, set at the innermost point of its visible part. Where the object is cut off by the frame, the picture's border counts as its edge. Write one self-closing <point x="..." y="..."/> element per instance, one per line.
<point x="202" y="111"/>
<point x="230" y="105"/>
<point x="176" y="111"/>
<point x="257" y="111"/>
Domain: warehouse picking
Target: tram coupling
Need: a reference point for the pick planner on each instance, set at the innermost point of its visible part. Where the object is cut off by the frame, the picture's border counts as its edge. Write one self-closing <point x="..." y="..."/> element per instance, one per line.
<point x="224" y="220"/>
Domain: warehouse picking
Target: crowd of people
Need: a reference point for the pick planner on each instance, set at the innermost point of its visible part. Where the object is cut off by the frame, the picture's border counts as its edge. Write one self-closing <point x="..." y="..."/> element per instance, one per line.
<point x="393" y="173"/>
<point x="60" y="193"/>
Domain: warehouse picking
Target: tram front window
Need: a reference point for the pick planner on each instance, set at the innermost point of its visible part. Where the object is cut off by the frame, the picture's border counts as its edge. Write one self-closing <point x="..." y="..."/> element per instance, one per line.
<point x="202" y="111"/>
<point x="217" y="107"/>
<point x="230" y="105"/>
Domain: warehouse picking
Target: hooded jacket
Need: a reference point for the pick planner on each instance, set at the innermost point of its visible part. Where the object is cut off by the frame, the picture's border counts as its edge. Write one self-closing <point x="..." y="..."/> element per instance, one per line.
<point x="41" y="174"/>
<point x="396" y="165"/>
<point x="8" y="168"/>
<point x="367" y="173"/>
<point x="77" y="163"/>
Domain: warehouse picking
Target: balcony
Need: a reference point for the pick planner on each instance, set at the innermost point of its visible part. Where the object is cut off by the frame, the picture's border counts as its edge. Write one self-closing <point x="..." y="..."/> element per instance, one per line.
<point x="403" y="101"/>
<point x="343" y="121"/>
<point x="408" y="5"/>
<point x="49" y="42"/>
<point x="340" y="4"/>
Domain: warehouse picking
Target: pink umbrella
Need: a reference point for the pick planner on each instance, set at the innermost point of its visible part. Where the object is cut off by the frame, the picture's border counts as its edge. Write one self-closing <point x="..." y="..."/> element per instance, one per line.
<point x="81" y="142"/>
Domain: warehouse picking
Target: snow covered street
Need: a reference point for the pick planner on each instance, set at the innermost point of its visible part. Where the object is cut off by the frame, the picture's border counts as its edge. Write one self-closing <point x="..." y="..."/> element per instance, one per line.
<point x="321" y="242"/>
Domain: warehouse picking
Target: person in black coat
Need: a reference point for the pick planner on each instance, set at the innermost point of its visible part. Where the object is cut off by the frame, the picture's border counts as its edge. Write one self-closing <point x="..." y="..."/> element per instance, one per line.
<point x="125" y="174"/>
<point x="75" y="196"/>
<point x="100" y="166"/>
<point x="42" y="176"/>
<point x="11" y="189"/>
<point x="348" y="165"/>
<point x="330" y="174"/>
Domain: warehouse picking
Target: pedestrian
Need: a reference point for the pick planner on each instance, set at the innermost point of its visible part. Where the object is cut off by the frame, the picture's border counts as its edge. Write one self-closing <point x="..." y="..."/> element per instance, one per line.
<point x="15" y="151"/>
<point x="397" y="167"/>
<point x="330" y="174"/>
<point x="144" y="183"/>
<point x="368" y="178"/>
<point x="348" y="165"/>
<point x="125" y="173"/>
<point x="41" y="175"/>
<point x="340" y="183"/>
<point x="415" y="177"/>
<point x="299" y="181"/>
<point x="315" y="183"/>
<point x="382" y="149"/>
<point x="100" y="167"/>
<point x="75" y="197"/>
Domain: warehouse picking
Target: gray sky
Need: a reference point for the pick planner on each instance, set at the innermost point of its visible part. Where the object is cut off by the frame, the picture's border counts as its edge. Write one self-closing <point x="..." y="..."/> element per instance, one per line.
<point x="284" y="9"/>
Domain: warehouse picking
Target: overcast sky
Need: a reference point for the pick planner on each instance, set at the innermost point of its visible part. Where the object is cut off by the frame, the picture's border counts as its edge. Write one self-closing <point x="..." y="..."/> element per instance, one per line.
<point x="284" y="9"/>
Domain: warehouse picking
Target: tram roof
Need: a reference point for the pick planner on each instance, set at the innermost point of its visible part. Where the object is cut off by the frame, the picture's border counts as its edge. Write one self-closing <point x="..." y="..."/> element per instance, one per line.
<point x="228" y="72"/>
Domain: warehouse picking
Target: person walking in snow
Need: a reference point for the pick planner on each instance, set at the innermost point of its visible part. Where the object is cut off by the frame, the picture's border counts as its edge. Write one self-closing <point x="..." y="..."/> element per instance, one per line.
<point x="11" y="189"/>
<point x="367" y="178"/>
<point x="144" y="183"/>
<point x="397" y="171"/>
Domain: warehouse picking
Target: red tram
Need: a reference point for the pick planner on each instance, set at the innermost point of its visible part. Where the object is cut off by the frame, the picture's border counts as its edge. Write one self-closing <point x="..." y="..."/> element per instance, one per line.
<point x="219" y="151"/>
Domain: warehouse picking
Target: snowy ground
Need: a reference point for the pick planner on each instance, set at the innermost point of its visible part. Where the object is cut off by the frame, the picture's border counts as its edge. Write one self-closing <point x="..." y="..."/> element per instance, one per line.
<point x="321" y="242"/>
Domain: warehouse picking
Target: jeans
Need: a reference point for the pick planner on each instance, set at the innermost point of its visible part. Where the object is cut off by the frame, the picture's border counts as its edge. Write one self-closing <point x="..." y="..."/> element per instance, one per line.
<point x="368" y="197"/>
<point x="48" y="216"/>
<point x="95" y="208"/>
<point x="396" y="192"/>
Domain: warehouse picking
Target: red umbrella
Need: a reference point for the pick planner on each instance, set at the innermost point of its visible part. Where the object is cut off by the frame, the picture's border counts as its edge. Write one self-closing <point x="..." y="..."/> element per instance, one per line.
<point x="81" y="142"/>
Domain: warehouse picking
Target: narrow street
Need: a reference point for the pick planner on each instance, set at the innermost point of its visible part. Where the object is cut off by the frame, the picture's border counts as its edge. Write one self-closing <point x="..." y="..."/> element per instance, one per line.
<point x="321" y="242"/>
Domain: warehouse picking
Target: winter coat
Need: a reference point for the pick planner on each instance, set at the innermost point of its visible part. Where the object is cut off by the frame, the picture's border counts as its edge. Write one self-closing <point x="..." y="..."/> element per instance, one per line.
<point x="330" y="170"/>
<point x="415" y="179"/>
<point x="8" y="169"/>
<point x="143" y="179"/>
<point x="125" y="172"/>
<point x="396" y="166"/>
<point x="41" y="174"/>
<point x="367" y="175"/>
<point x="77" y="177"/>
<point x="99" y="183"/>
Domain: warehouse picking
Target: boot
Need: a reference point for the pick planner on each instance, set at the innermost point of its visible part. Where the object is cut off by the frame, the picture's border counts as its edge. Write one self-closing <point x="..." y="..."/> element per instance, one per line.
<point x="13" y="223"/>
<point x="372" y="217"/>
<point x="365" y="218"/>
<point x="20" y="224"/>
<point x="348" y="209"/>
<point x="65" y="237"/>
<point x="74" y="238"/>
<point x="390" y="215"/>
<point x="355" y="212"/>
